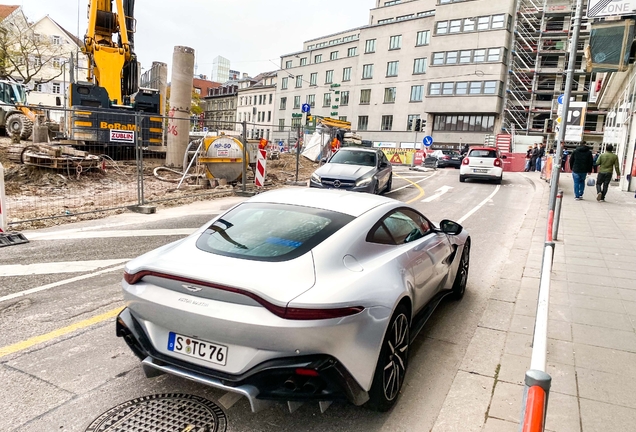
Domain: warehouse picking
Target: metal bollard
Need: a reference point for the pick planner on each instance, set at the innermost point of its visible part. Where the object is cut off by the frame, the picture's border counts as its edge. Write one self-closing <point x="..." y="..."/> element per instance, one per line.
<point x="557" y="215"/>
<point x="535" y="401"/>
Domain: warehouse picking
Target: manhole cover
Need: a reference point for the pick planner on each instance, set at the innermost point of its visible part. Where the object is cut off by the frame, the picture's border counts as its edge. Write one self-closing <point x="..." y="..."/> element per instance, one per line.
<point x="162" y="413"/>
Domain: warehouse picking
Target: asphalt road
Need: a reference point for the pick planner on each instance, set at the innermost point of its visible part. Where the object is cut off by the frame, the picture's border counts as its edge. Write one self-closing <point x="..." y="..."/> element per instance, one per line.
<point x="62" y="366"/>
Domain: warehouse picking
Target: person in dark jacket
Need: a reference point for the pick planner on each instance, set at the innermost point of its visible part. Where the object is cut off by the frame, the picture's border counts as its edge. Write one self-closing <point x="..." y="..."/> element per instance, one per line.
<point x="581" y="162"/>
<point x="540" y="156"/>
<point x="533" y="160"/>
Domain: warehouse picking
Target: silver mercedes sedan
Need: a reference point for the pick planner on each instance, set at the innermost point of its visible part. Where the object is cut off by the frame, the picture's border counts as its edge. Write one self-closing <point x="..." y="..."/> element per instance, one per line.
<point x="295" y="295"/>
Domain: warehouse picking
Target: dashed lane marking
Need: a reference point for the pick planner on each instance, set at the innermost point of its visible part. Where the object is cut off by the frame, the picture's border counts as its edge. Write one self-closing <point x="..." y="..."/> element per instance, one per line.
<point x="61" y="235"/>
<point x="28" y="343"/>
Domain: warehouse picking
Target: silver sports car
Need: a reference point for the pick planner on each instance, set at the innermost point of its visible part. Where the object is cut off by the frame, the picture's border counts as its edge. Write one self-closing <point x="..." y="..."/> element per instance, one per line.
<point x="295" y="295"/>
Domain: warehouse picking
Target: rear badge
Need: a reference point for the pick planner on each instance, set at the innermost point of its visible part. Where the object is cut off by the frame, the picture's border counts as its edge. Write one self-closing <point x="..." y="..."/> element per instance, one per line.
<point x="192" y="288"/>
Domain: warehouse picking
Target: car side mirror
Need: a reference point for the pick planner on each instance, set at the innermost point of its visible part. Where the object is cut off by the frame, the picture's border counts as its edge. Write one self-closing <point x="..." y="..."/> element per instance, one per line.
<point x="323" y="160"/>
<point x="383" y="164"/>
<point x="450" y="227"/>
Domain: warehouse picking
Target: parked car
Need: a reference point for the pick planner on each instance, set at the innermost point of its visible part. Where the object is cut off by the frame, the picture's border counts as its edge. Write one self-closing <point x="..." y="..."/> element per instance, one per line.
<point x="446" y="158"/>
<point x="482" y="163"/>
<point x="295" y="295"/>
<point x="356" y="169"/>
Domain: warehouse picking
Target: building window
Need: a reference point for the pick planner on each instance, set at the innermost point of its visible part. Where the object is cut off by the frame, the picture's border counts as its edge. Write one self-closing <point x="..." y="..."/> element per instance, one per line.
<point x="39" y="87"/>
<point x="461" y="88"/>
<point x="438" y="58"/>
<point x="387" y="123"/>
<point x="475" y="87"/>
<point x="389" y="95"/>
<point x="483" y="23"/>
<point x="288" y="64"/>
<point x="281" y="125"/>
<point x="447" y="88"/>
<point x="490" y="87"/>
<point x="465" y="56"/>
<point x="342" y="118"/>
<point x="479" y="55"/>
<point x="352" y="52"/>
<point x="295" y="122"/>
<point x="344" y="98"/>
<point x="326" y="99"/>
<point x="271" y="98"/>
<point x="469" y="24"/>
<point x="318" y="58"/>
<point x="283" y="83"/>
<point x="299" y="81"/>
<point x="419" y="66"/>
<point x="369" y="46"/>
<point x="363" y="123"/>
<point x="333" y="55"/>
<point x="283" y="103"/>
<point x="313" y="79"/>
<point x="455" y="26"/>
<point x="329" y="77"/>
<point x="395" y="42"/>
<point x="417" y="93"/>
<point x="441" y="27"/>
<point x="392" y="69"/>
<point x="464" y="123"/>
<point x="57" y="63"/>
<point x="296" y="102"/>
<point x="56" y="88"/>
<point x="269" y="116"/>
<point x="451" y="57"/>
<point x="434" y="88"/>
<point x="57" y="40"/>
<point x="311" y="100"/>
<point x="346" y="74"/>
<point x="494" y="54"/>
<point x="410" y="121"/>
<point x="365" y="97"/>
<point x="367" y="71"/>
<point x="423" y="38"/>
<point x="303" y="61"/>
<point x="498" y="21"/>
<point x="384" y="21"/>
<point x="260" y="99"/>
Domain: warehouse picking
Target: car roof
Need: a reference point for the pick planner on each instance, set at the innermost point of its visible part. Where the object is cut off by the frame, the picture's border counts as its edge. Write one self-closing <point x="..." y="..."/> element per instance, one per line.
<point x="483" y="148"/>
<point x="351" y="203"/>
<point x="364" y="149"/>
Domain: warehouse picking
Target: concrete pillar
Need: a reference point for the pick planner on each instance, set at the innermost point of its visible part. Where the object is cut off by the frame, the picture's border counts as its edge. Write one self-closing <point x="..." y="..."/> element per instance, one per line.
<point x="180" y="104"/>
<point x="162" y="83"/>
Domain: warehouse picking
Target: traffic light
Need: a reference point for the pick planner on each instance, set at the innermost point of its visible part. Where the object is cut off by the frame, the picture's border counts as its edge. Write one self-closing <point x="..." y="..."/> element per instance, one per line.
<point x="309" y="118"/>
<point x="262" y="144"/>
<point x="423" y="125"/>
<point x="410" y="125"/>
<point x="418" y="125"/>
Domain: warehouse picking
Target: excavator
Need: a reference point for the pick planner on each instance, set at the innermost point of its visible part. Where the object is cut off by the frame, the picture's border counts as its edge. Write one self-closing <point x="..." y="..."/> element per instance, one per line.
<point x="104" y="106"/>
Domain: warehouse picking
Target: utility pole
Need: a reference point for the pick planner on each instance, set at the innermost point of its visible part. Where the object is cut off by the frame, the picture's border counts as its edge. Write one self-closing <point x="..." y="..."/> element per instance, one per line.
<point x="556" y="169"/>
<point x="244" y="176"/>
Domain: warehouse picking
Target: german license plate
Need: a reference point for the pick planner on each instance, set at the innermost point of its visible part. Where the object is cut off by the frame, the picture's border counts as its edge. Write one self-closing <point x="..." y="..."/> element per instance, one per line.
<point x="197" y="348"/>
<point x="481" y="170"/>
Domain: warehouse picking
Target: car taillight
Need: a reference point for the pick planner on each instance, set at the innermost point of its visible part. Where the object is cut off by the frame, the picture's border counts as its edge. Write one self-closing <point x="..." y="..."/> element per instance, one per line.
<point x="497" y="162"/>
<point x="280" y="311"/>
<point x="465" y="161"/>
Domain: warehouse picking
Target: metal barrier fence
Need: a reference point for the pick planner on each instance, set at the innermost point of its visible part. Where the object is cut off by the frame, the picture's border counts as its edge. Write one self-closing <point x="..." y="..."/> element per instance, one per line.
<point x="57" y="176"/>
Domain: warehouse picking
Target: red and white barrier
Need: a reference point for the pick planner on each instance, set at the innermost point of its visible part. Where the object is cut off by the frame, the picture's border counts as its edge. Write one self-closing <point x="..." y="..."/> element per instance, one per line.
<point x="3" y="206"/>
<point x="261" y="161"/>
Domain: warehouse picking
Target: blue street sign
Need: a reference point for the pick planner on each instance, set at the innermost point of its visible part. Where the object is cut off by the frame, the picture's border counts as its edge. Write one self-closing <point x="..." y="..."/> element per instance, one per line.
<point x="205" y="129"/>
<point x="427" y="141"/>
<point x="280" y="144"/>
<point x="305" y="108"/>
<point x="560" y="99"/>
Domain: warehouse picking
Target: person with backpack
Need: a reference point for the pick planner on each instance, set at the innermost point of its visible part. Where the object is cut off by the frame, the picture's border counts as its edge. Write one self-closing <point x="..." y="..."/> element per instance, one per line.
<point x="581" y="162"/>
<point x="607" y="163"/>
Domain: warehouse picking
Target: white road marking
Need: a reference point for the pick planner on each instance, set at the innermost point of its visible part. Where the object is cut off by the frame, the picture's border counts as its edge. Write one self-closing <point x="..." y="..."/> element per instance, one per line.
<point x="480" y="205"/>
<point x="61" y="235"/>
<point x="59" y="283"/>
<point x="410" y="185"/>
<point x="441" y="191"/>
<point x="57" y="267"/>
<point x="229" y="399"/>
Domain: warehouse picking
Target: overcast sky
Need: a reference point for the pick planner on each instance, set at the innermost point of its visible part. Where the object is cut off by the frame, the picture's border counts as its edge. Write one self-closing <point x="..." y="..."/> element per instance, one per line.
<point x="250" y="33"/>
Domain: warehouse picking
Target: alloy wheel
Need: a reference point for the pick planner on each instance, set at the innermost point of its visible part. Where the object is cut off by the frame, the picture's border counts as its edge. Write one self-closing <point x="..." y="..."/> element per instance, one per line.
<point x="398" y="348"/>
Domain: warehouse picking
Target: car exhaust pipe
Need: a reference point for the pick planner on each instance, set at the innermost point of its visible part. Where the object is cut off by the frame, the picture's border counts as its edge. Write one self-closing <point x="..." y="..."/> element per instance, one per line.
<point x="313" y="385"/>
<point x="291" y="383"/>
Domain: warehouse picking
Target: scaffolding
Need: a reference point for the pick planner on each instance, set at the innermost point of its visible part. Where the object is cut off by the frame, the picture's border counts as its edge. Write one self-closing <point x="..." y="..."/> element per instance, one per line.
<point x="538" y="62"/>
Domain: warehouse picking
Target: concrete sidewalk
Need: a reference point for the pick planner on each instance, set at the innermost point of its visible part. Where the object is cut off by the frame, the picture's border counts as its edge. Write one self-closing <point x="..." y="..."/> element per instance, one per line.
<point x="592" y="319"/>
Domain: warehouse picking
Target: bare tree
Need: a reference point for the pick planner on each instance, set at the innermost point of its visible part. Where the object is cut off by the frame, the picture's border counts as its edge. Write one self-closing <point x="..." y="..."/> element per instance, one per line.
<point x="27" y="55"/>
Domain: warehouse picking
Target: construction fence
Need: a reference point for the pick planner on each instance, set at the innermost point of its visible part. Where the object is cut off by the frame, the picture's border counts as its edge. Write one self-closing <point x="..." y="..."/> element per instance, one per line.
<point x="80" y="163"/>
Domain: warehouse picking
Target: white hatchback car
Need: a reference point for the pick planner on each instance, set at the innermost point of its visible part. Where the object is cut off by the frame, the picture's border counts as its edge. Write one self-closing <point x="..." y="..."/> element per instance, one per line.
<point x="482" y="163"/>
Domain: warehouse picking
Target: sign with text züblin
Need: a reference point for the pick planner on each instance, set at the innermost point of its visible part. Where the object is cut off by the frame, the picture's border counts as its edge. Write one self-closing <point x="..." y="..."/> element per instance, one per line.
<point x="122" y="136"/>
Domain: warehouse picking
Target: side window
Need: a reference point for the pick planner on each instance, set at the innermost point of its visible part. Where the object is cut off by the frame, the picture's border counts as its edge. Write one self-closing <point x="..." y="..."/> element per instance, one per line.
<point x="403" y="227"/>
<point x="380" y="235"/>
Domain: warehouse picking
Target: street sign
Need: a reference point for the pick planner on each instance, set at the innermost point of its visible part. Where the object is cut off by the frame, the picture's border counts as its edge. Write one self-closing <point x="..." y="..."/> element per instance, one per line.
<point x="205" y="129"/>
<point x="427" y="141"/>
<point x="306" y="108"/>
<point x="599" y="8"/>
<point x="560" y="99"/>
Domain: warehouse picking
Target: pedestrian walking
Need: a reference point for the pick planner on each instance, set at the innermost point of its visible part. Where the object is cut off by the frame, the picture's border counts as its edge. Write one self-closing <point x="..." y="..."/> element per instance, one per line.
<point x="533" y="160"/>
<point x="528" y="158"/>
<point x="564" y="160"/>
<point x="581" y="162"/>
<point x="596" y="155"/>
<point x="540" y="156"/>
<point x="607" y="163"/>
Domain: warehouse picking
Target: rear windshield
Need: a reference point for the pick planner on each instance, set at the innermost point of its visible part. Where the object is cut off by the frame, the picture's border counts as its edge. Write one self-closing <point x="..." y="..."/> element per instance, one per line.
<point x="450" y="152"/>
<point x="352" y="157"/>
<point x="483" y="153"/>
<point x="270" y="232"/>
